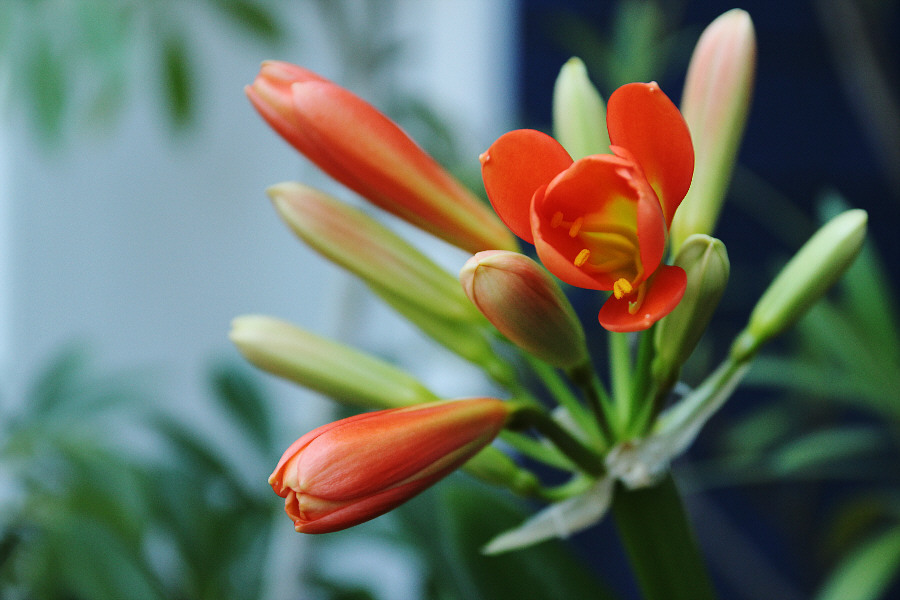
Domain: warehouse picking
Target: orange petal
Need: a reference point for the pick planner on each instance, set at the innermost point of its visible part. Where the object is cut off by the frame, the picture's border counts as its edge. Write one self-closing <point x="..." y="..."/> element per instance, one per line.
<point x="594" y="188"/>
<point x="663" y="294"/>
<point x="643" y="120"/>
<point x="513" y="168"/>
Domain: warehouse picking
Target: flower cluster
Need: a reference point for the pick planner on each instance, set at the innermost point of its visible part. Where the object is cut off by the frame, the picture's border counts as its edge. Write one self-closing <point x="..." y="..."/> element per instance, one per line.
<point x="627" y="211"/>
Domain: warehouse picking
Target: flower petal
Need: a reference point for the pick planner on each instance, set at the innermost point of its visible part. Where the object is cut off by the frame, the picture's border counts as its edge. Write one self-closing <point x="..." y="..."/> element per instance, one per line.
<point x="516" y="165"/>
<point x="559" y="520"/>
<point x="643" y="120"/>
<point x="664" y="291"/>
<point x="598" y="192"/>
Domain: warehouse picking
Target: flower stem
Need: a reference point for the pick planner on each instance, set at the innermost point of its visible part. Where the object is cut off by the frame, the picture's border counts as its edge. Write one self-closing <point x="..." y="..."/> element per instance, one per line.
<point x="661" y="547"/>
<point x="584" y="457"/>
<point x="564" y="396"/>
<point x="620" y="376"/>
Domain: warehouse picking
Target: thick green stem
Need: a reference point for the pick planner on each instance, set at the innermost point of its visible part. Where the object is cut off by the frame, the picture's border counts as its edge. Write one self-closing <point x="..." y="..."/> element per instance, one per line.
<point x="661" y="546"/>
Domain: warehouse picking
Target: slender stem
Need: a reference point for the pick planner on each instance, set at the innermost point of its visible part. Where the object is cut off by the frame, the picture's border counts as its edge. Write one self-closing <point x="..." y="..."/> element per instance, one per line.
<point x="642" y="377"/>
<point x="661" y="546"/>
<point x="620" y="375"/>
<point x="584" y="457"/>
<point x="536" y="450"/>
<point x="577" y="485"/>
<point x="563" y="394"/>
<point x="598" y="399"/>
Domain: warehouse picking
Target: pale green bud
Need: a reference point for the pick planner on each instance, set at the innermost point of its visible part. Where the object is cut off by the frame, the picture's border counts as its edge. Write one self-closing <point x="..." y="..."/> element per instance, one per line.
<point x="715" y="103"/>
<point x="493" y="466"/>
<point x="806" y="277"/>
<point x="407" y="280"/>
<point x="525" y="304"/>
<point x="705" y="261"/>
<point x="579" y="113"/>
<point x="342" y="373"/>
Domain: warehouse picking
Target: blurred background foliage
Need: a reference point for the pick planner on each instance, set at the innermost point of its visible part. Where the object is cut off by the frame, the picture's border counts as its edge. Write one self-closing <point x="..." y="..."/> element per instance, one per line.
<point x="104" y="493"/>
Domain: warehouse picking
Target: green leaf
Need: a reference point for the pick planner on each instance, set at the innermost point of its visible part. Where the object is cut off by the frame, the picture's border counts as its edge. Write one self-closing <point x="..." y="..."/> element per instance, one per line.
<point x="867" y="571"/>
<point x="253" y="18"/>
<point x="822" y="449"/>
<point x="177" y="75"/>
<point x="45" y="83"/>
<point x="470" y="516"/>
<point x="83" y="558"/>
<point x="239" y="394"/>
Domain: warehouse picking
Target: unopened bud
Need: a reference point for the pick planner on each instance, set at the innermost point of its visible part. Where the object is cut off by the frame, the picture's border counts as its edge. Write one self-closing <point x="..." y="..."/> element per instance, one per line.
<point x="579" y="113"/>
<point x="715" y="104"/>
<point x="705" y="261"/>
<point x="525" y="304"/>
<point x="342" y="373"/>
<point x="806" y="277"/>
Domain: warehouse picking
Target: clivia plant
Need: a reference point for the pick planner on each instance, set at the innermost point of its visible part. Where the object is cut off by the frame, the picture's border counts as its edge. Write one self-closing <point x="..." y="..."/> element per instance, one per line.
<point x="622" y="200"/>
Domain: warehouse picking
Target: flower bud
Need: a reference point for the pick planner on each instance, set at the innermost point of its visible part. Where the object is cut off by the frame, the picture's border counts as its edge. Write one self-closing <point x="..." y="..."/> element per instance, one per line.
<point x="579" y="113"/>
<point x="715" y="103"/>
<point x="806" y="277"/>
<point x="398" y="273"/>
<point x="526" y="305"/>
<point x="705" y="261"/>
<point x="356" y="469"/>
<point x="361" y="148"/>
<point x="344" y="374"/>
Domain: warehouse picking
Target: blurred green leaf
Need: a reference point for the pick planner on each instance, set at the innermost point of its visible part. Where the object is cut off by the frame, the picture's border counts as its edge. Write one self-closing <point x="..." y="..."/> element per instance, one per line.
<point x="252" y="17"/>
<point x="45" y="83"/>
<point x="867" y="571"/>
<point x="823" y="449"/>
<point x="177" y="75"/>
<point x="239" y="394"/>
<point x="470" y="516"/>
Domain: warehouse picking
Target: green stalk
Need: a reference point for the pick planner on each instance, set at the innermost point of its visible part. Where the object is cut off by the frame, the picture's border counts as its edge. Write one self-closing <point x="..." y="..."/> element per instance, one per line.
<point x="620" y="375"/>
<point x="582" y="456"/>
<point x="553" y="382"/>
<point x="661" y="546"/>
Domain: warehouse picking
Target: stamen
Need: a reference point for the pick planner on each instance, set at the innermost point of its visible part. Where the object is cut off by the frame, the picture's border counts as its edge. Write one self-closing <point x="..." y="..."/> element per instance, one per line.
<point x="635" y="305"/>
<point x="576" y="226"/>
<point x="582" y="257"/>
<point x="556" y="221"/>
<point x="622" y="287"/>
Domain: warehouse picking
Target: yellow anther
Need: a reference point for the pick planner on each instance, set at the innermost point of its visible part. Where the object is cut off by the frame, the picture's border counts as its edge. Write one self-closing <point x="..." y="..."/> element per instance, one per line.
<point x="582" y="257"/>
<point x="557" y="219"/>
<point x="622" y="287"/>
<point x="576" y="227"/>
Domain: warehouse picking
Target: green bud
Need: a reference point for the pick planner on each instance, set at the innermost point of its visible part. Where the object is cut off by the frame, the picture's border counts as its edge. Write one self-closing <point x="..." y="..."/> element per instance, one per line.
<point x="806" y="277"/>
<point x="495" y="467"/>
<point x="404" y="278"/>
<point x="342" y="373"/>
<point x="715" y="104"/>
<point x="705" y="261"/>
<point x="579" y="113"/>
<point x="525" y="304"/>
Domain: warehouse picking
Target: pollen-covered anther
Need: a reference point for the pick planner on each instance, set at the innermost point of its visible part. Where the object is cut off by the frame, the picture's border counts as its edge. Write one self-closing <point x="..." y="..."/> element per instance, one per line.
<point x="582" y="257"/>
<point x="622" y="287"/>
<point x="557" y="219"/>
<point x="576" y="227"/>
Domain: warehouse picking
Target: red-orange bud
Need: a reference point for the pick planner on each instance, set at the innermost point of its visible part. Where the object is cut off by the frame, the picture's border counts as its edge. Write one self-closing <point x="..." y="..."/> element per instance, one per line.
<point x="355" y="469"/>
<point x="360" y="147"/>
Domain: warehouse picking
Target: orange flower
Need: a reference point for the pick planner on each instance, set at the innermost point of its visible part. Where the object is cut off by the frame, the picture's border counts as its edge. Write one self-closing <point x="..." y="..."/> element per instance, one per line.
<point x="360" y="147"/>
<point x="356" y="469"/>
<point x="601" y="222"/>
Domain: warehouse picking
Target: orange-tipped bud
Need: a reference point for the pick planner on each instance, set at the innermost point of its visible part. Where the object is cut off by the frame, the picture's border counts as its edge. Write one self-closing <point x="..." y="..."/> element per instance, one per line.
<point x="363" y="149"/>
<point x="525" y="304"/>
<point x="356" y="469"/>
